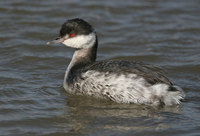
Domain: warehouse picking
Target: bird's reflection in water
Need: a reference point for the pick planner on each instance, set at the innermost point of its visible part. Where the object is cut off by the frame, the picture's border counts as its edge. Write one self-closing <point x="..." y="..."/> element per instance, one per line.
<point x="88" y="115"/>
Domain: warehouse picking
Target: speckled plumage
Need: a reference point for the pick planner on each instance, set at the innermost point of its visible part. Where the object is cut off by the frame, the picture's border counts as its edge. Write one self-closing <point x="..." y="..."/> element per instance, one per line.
<point x="124" y="82"/>
<point x="117" y="80"/>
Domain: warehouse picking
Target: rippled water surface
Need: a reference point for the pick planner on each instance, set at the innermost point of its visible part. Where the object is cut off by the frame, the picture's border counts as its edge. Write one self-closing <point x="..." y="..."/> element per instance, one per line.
<point x="32" y="100"/>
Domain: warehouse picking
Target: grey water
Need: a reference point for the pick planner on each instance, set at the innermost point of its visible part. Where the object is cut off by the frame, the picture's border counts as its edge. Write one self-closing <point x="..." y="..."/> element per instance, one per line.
<point x="32" y="100"/>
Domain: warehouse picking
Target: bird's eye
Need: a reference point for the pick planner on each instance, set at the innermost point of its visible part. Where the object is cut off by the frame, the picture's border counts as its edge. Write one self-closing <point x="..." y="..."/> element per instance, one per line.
<point x="71" y="35"/>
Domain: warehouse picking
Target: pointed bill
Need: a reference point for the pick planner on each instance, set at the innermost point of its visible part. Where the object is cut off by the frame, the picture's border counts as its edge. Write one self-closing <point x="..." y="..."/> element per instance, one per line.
<point x="58" y="40"/>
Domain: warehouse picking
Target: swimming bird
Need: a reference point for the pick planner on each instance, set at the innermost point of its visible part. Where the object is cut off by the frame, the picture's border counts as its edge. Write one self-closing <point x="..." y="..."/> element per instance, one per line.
<point x="121" y="81"/>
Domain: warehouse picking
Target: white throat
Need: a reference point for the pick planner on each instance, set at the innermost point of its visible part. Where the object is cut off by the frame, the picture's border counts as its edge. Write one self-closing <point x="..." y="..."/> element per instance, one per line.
<point x="81" y="41"/>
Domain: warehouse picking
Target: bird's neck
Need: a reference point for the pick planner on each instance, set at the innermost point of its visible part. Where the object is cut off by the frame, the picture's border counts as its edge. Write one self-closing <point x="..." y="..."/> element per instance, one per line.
<point x="81" y="58"/>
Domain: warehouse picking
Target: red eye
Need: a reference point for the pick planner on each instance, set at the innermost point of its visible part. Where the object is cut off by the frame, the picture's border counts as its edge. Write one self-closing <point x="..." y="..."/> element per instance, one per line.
<point x="71" y="35"/>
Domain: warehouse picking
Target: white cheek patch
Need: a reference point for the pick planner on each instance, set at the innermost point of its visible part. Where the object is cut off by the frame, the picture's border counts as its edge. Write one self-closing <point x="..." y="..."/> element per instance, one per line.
<point x="81" y="41"/>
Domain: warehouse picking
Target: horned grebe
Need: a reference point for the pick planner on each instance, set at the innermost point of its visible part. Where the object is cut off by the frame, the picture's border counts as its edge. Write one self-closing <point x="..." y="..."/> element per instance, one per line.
<point x="117" y="80"/>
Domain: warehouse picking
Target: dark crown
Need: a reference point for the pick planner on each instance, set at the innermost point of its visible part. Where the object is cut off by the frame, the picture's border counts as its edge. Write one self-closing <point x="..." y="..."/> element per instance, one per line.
<point x="76" y="26"/>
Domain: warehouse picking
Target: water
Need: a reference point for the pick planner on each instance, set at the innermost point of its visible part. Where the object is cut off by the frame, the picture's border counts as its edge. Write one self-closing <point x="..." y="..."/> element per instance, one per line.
<point x="32" y="99"/>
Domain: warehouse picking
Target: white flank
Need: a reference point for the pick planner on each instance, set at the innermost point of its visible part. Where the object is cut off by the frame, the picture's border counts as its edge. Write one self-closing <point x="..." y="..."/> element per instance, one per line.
<point x="126" y="89"/>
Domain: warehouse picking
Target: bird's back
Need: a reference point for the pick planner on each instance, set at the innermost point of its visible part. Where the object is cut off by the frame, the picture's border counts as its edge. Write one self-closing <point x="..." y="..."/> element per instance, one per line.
<point x="125" y="82"/>
<point x="152" y="74"/>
